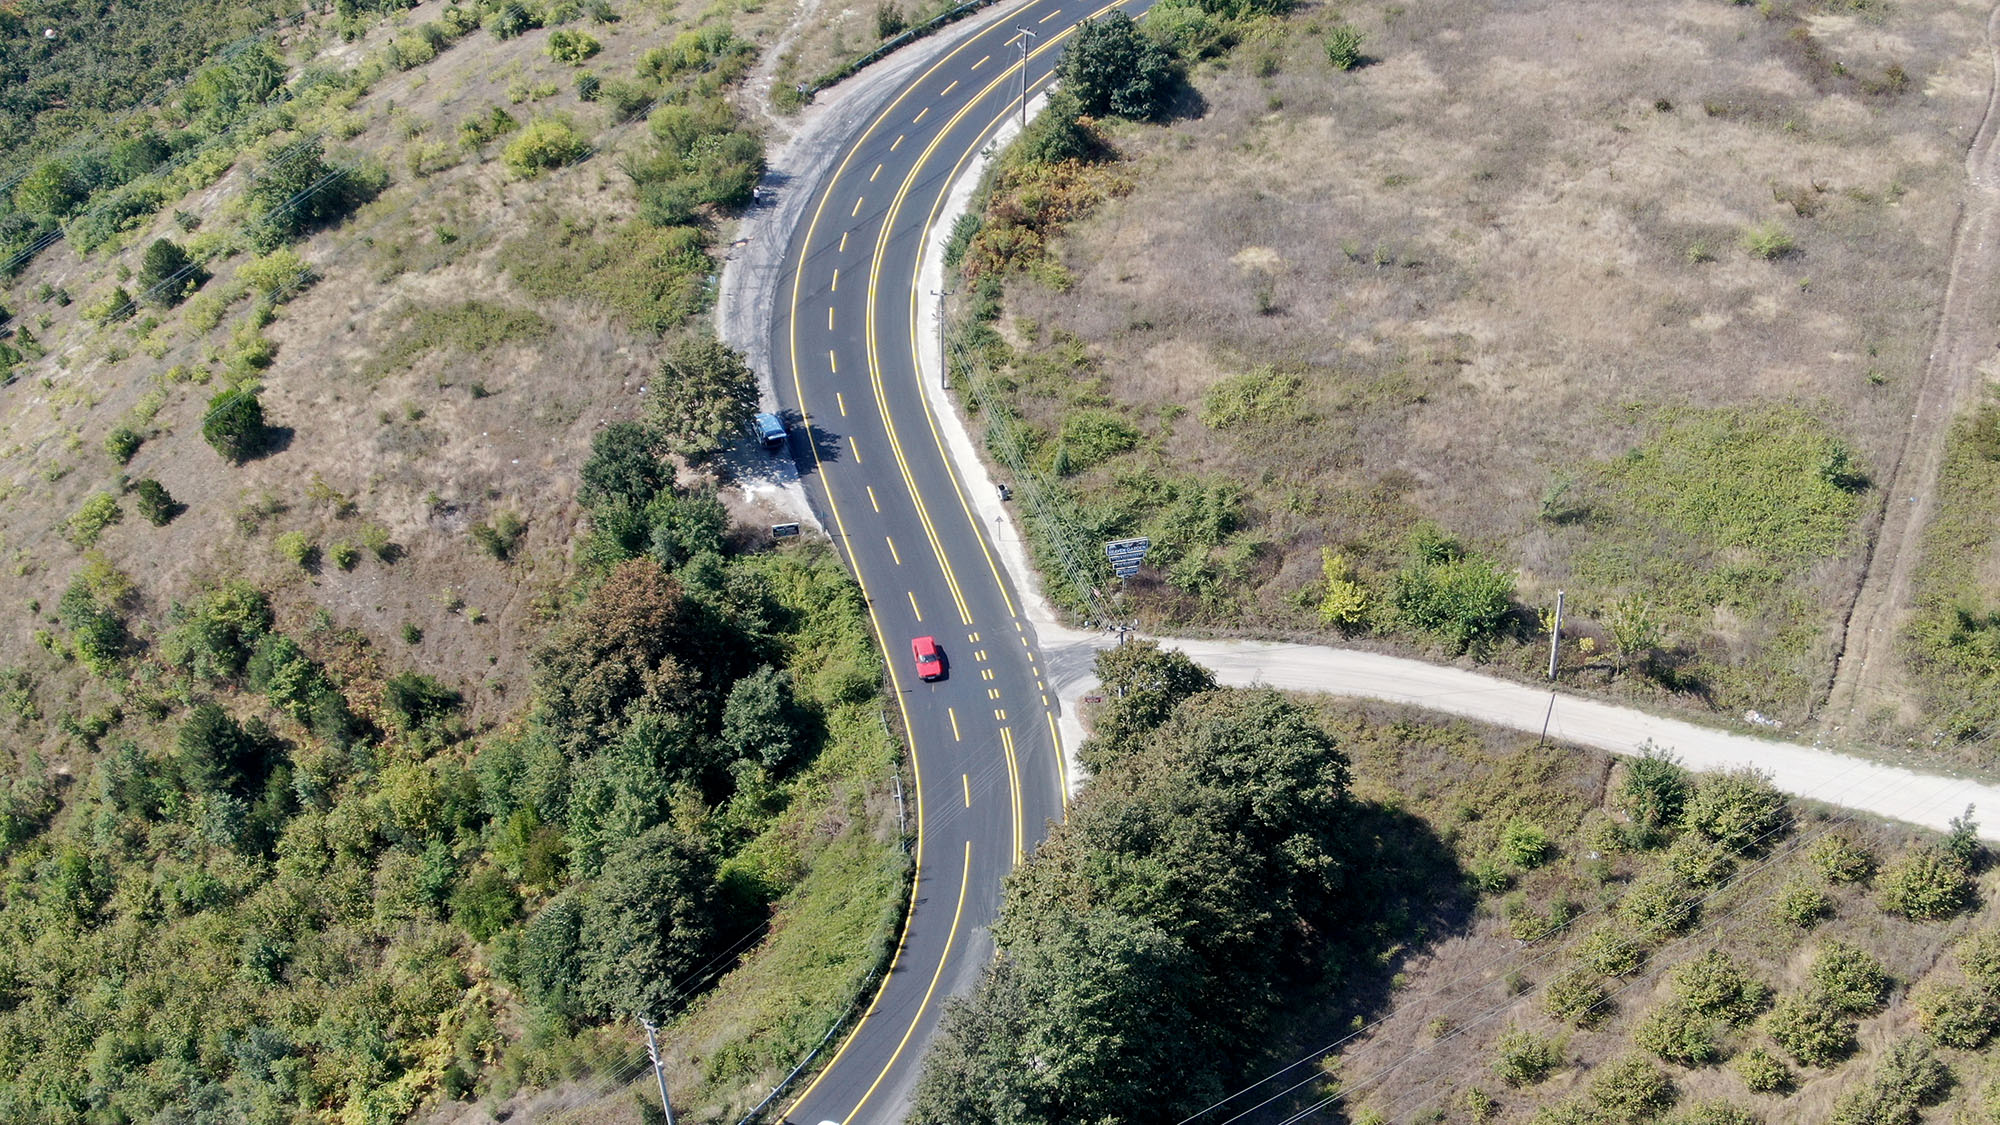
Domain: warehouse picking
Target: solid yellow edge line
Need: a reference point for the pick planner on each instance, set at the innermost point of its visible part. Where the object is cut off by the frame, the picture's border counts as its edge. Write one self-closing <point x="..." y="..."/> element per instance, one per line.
<point x="798" y="389"/>
<point x="964" y="880"/>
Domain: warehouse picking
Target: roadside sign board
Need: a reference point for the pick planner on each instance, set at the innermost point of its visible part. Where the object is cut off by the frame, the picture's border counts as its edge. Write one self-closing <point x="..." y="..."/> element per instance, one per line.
<point x="1126" y="555"/>
<point x="783" y="530"/>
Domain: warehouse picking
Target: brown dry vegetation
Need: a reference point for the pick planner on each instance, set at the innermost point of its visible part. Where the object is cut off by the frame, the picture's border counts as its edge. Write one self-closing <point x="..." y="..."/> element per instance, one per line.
<point x="1420" y="1052"/>
<point x="1511" y="248"/>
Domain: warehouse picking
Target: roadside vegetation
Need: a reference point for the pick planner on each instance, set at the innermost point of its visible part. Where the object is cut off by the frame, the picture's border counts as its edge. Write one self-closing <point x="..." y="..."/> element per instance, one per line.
<point x="1359" y="377"/>
<point x="1953" y="640"/>
<point x="394" y="690"/>
<point x="1588" y="939"/>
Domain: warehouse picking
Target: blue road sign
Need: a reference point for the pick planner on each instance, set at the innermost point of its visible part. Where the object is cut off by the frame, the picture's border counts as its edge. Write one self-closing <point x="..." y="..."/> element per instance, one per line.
<point x="1126" y="555"/>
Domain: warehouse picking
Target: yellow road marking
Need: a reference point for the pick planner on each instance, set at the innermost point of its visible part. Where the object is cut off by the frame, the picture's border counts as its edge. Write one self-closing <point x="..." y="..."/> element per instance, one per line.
<point x="986" y="673"/>
<point x="920" y="115"/>
<point x="835" y="286"/>
<point x="871" y="498"/>
<point x="980" y="655"/>
<point x="829" y="318"/>
<point x="916" y="762"/>
<point x="948" y="89"/>
<point x="1062" y="766"/>
<point x="955" y="736"/>
<point x="832" y="363"/>
<point x="1048" y="17"/>
<point x="913" y="596"/>
<point x="993" y="693"/>
<point x="1000" y="714"/>
<point x="894" y="554"/>
<point x="841" y="402"/>
<point x="893" y="145"/>
<point x="875" y="173"/>
<point x="858" y="200"/>
<point x="984" y="58"/>
<point x="843" y="241"/>
<point x="967" y="780"/>
<point x="854" y="450"/>
<point x="1013" y="783"/>
<point x="1045" y="699"/>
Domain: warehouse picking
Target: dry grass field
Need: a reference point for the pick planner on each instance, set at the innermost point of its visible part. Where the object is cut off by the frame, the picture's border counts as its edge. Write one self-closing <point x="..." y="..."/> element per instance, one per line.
<point x="1633" y="298"/>
<point x="1432" y="1049"/>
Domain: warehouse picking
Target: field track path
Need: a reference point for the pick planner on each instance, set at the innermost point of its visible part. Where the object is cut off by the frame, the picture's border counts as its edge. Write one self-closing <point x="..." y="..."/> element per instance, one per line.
<point x="1866" y="670"/>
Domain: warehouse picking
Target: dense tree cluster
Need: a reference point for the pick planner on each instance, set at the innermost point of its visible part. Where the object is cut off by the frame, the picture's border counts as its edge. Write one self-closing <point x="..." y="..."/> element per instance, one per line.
<point x="1151" y="939"/>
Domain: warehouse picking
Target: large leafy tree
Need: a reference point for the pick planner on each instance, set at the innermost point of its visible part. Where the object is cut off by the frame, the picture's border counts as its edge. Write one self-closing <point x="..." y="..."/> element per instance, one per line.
<point x="1142" y="684"/>
<point x="704" y="396"/>
<point x="1113" y="68"/>
<point x="624" y="466"/>
<point x="648" y="923"/>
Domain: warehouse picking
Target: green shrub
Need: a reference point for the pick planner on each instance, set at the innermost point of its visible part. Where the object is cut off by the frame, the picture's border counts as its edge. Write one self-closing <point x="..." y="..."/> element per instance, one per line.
<point x="376" y="538"/>
<point x="1714" y="984"/>
<point x="1577" y="997"/>
<point x="485" y="903"/>
<point x="1089" y="437"/>
<point x="1714" y="1111"/>
<point x="1762" y="1072"/>
<point x="1956" y="1015"/>
<point x="1343" y="601"/>
<point x="1654" y="793"/>
<point x="1343" y="48"/>
<point x="572" y="47"/>
<point x="1523" y="1058"/>
<point x="1658" y="904"/>
<point x="1927" y="884"/>
<point x="1767" y="240"/>
<point x="1610" y="948"/>
<point x="294" y="547"/>
<point x="1458" y="597"/>
<point x="1979" y="956"/>
<point x="113" y="306"/>
<point x="1738" y="809"/>
<point x="499" y="538"/>
<point x="278" y="276"/>
<point x="1525" y="843"/>
<point x="234" y="424"/>
<point x="1909" y="1077"/>
<point x="1809" y="1028"/>
<point x="1802" y="904"/>
<point x="1698" y="862"/>
<point x="154" y="502"/>
<point x="1849" y="977"/>
<point x="166" y="273"/>
<point x="121" y="443"/>
<point x="1629" y="1090"/>
<point x="343" y="555"/>
<point x="546" y="142"/>
<point x="98" y="511"/>
<point x="1680" y="1033"/>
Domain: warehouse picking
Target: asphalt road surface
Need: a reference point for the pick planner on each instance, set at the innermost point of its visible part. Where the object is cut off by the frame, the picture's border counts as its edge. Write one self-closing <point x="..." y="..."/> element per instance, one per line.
<point x="844" y="355"/>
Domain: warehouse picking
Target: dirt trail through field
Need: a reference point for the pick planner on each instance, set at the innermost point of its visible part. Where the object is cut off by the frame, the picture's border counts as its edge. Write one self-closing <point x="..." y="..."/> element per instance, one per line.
<point x="1867" y="675"/>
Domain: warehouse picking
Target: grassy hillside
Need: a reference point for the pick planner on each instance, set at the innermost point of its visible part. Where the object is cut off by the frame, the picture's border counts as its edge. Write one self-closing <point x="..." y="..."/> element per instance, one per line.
<point x="331" y="433"/>
<point x="1406" y="317"/>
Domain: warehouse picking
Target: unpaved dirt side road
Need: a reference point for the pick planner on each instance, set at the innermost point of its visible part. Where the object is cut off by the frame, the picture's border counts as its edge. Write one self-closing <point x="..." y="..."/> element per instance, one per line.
<point x="1866" y="675"/>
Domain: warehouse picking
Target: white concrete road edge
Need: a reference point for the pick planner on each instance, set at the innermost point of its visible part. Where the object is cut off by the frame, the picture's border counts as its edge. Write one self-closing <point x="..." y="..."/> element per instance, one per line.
<point x="1927" y="799"/>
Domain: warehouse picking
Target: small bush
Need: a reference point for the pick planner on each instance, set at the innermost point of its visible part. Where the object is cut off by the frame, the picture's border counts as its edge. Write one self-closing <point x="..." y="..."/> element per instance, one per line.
<point x="1802" y="904"/>
<point x="572" y="47"/>
<point x="1909" y="1078"/>
<point x="1680" y="1033"/>
<point x="1525" y="843"/>
<point x="1979" y="956"/>
<point x="1767" y="241"/>
<point x="1738" y="809"/>
<point x="90" y="519"/>
<point x="1956" y="1015"/>
<point x="501" y="536"/>
<point x="1699" y="862"/>
<point x="1343" y="48"/>
<point x="1715" y="985"/>
<point x="1927" y="884"/>
<point x="1630" y="1089"/>
<point x="1762" y="1072"/>
<point x="1654" y="793"/>
<point x="1611" y="949"/>
<point x="1850" y="978"/>
<point x="343" y="555"/>
<point x="295" y="548"/>
<point x="1808" y="1028"/>
<point x="547" y="142"/>
<point x="1523" y="1058"/>
<point x="1658" y="904"/>
<point x="155" y="503"/>
<point x="234" y="424"/>
<point x="1576" y="997"/>
<point x="411" y="634"/>
<point x="1715" y="1111"/>
<point x="121" y="443"/>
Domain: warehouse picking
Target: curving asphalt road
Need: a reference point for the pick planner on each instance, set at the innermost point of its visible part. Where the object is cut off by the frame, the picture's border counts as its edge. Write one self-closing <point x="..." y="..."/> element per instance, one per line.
<point x="843" y="352"/>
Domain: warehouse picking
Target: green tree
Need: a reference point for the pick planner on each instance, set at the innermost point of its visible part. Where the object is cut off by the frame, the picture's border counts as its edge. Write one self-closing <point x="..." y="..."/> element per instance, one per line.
<point x="704" y="397"/>
<point x="1738" y="809"/>
<point x="166" y="273"/>
<point x="413" y="700"/>
<point x="546" y="142"/>
<point x="1849" y="978"/>
<point x="485" y="903"/>
<point x="122" y="442"/>
<point x="760" y="721"/>
<point x="1927" y="884"/>
<point x="53" y="190"/>
<point x="1142" y="684"/>
<point x="234" y="424"/>
<point x="1956" y="1015"/>
<point x="648" y="922"/>
<point x="1810" y="1029"/>
<point x="624" y="466"/>
<point x="1112" y="68"/>
<point x="543" y="961"/>
<point x="1654" y="793"/>
<point x="295" y="192"/>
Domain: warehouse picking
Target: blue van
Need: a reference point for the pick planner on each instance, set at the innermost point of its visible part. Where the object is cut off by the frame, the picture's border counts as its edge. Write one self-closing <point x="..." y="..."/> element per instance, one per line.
<point x="771" y="431"/>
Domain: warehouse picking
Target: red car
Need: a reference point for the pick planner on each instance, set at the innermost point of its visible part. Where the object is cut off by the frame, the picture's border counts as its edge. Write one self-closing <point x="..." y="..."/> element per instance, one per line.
<point x="930" y="658"/>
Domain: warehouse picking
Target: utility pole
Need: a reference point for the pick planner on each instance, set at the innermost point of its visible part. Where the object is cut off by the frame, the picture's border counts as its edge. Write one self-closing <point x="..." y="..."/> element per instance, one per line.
<point x="1555" y="634"/>
<point x="1025" y="35"/>
<point x="653" y="1052"/>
